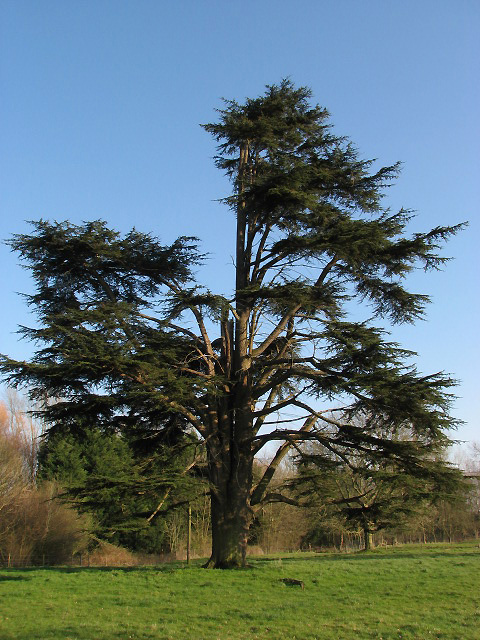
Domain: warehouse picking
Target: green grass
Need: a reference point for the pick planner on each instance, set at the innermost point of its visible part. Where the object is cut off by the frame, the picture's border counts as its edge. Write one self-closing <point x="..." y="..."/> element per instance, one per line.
<point x="407" y="592"/>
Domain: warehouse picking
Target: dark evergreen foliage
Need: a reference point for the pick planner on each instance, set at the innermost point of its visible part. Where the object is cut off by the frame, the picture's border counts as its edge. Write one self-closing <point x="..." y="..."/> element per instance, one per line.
<point x="120" y="482"/>
<point x="115" y="343"/>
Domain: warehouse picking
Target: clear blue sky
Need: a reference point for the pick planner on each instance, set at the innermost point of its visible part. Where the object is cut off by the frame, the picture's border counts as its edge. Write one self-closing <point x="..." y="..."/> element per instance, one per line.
<point x="101" y="102"/>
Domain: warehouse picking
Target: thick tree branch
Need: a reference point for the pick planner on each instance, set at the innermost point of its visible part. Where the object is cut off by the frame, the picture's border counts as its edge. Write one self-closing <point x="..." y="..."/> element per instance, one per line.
<point x="208" y="345"/>
<point x="259" y="253"/>
<point x="273" y="497"/>
<point x="267" y="410"/>
<point x="326" y="270"/>
<point x="260" y="490"/>
<point x="276" y="332"/>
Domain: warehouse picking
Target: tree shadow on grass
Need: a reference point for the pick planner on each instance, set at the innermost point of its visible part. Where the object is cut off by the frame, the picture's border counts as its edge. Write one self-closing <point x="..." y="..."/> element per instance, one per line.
<point x="109" y="569"/>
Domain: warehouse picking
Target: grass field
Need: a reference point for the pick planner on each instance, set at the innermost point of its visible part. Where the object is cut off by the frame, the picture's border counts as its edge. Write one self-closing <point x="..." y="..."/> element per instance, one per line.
<point x="419" y="592"/>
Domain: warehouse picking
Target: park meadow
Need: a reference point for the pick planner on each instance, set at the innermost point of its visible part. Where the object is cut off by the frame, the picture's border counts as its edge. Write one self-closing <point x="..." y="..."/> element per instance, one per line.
<point x="407" y="591"/>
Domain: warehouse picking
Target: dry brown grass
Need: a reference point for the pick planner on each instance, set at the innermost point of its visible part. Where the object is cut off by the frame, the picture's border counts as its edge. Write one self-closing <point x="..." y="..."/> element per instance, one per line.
<point x="110" y="555"/>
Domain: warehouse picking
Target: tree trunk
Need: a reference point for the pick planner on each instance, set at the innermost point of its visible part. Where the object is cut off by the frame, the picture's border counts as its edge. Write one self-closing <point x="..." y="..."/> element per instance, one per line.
<point x="231" y="480"/>
<point x="367" y="538"/>
<point x="229" y="537"/>
<point x="230" y="457"/>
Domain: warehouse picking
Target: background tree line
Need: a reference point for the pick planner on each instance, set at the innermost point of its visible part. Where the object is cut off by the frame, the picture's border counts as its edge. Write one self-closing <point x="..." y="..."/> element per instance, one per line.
<point x="62" y="496"/>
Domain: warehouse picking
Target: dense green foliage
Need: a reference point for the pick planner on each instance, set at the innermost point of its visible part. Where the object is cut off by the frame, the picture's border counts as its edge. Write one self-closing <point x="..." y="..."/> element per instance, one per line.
<point x="120" y="484"/>
<point x="124" y="330"/>
<point x="403" y="592"/>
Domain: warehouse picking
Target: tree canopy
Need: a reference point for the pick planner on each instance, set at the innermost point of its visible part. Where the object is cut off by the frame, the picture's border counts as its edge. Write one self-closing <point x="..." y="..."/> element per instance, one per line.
<point x="130" y="342"/>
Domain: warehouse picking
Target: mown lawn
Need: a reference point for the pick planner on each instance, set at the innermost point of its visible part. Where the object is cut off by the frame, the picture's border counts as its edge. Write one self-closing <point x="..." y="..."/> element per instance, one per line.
<point x="431" y="591"/>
